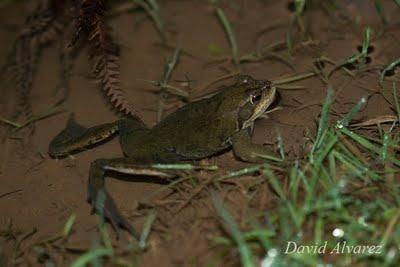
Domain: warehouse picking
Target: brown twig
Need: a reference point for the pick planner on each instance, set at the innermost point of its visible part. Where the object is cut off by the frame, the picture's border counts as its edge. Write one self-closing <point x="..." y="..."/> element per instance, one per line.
<point x="10" y="193"/>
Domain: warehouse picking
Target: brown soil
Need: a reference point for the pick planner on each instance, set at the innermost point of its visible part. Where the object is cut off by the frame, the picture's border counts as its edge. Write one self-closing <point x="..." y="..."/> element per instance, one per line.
<point x="45" y="192"/>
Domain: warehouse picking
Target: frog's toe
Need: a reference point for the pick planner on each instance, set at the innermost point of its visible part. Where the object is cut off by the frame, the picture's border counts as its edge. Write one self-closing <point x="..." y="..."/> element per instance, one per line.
<point x="102" y="203"/>
<point x="117" y="220"/>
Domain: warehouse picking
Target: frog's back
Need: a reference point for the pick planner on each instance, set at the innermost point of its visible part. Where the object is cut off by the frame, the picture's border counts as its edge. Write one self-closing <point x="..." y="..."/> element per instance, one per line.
<point x="197" y="130"/>
<point x="200" y="111"/>
<point x="203" y="123"/>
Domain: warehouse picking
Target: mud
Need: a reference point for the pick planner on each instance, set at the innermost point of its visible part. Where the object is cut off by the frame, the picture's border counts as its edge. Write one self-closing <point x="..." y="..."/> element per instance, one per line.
<point x="44" y="192"/>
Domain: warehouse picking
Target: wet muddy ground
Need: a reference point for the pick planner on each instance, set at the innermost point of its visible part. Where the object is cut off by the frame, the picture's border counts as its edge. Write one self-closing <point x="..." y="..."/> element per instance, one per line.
<point x="38" y="194"/>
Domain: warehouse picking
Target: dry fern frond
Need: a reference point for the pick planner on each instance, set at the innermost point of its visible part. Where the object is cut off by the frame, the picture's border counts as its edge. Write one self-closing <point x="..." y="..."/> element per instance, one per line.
<point x="62" y="89"/>
<point x="48" y="23"/>
<point x="103" y="53"/>
<point x="41" y="27"/>
<point x="23" y="78"/>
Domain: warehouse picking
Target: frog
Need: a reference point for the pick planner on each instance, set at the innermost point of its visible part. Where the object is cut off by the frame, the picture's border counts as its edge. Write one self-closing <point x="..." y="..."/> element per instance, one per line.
<point x="200" y="129"/>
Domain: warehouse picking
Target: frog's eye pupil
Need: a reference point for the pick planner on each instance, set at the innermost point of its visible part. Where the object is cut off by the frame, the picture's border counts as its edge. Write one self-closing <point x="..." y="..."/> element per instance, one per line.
<point x="255" y="98"/>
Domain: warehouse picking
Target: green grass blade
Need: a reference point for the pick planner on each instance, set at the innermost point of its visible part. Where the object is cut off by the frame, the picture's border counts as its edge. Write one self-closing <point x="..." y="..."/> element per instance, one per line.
<point x="294" y="180"/>
<point x="390" y="67"/>
<point x="241" y="172"/>
<point x="366" y="41"/>
<point x="154" y="5"/>
<point x="229" y="32"/>
<point x="349" y="116"/>
<point x="396" y="101"/>
<point x="323" y="122"/>
<point x="379" y="9"/>
<point x="293" y="78"/>
<point x="12" y="123"/>
<point x="169" y="66"/>
<point x="324" y="151"/>
<point x="360" y="56"/>
<point x="273" y="181"/>
<point x="385" y="146"/>
<point x="368" y="145"/>
<point x="152" y="8"/>
<point x="280" y="145"/>
<point x="68" y="225"/>
<point x="146" y="230"/>
<point x="299" y="4"/>
<point x="91" y="255"/>
<point x="233" y="229"/>
<point x="184" y="166"/>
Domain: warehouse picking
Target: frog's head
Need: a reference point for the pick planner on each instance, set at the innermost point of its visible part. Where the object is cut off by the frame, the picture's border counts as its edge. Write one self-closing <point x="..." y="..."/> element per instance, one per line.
<point x="251" y="99"/>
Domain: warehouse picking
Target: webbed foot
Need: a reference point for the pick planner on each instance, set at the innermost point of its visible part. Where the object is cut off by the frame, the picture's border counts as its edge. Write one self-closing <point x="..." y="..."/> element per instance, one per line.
<point x="102" y="203"/>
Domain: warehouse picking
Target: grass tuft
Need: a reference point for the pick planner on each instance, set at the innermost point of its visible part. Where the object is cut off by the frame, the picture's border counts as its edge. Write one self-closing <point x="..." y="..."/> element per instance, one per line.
<point x="146" y="230"/>
<point x="234" y="231"/>
<point x="228" y="30"/>
<point x="322" y="200"/>
<point x="357" y="58"/>
<point x="390" y="67"/>
<point x="153" y="9"/>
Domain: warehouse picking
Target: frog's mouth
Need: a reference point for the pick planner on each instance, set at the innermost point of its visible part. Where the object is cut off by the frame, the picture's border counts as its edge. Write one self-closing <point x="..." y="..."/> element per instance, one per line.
<point x="267" y="99"/>
<point x="275" y="103"/>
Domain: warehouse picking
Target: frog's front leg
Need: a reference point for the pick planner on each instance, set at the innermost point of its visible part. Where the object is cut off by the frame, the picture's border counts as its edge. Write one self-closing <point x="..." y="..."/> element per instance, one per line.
<point x="96" y="187"/>
<point x="245" y="150"/>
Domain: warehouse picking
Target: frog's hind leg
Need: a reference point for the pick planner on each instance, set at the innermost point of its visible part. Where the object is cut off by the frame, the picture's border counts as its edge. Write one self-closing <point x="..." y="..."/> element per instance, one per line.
<point x="130" y="133"/>
<point x="76" y="138"/>
<point x="96" y="187"/>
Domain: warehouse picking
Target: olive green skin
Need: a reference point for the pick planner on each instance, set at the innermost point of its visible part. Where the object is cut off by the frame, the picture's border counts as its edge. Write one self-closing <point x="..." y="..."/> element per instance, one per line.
<point x="197" y="130"/>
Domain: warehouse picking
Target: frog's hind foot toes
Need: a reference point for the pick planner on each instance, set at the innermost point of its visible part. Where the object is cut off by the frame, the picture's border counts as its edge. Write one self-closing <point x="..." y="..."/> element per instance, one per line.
<point x="116" y="219"/>
<point x="103" y="204"/>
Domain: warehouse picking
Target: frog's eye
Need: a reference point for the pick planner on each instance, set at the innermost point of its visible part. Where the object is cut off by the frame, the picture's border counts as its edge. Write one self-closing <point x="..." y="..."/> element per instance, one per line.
<point x="255" y="98"/>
